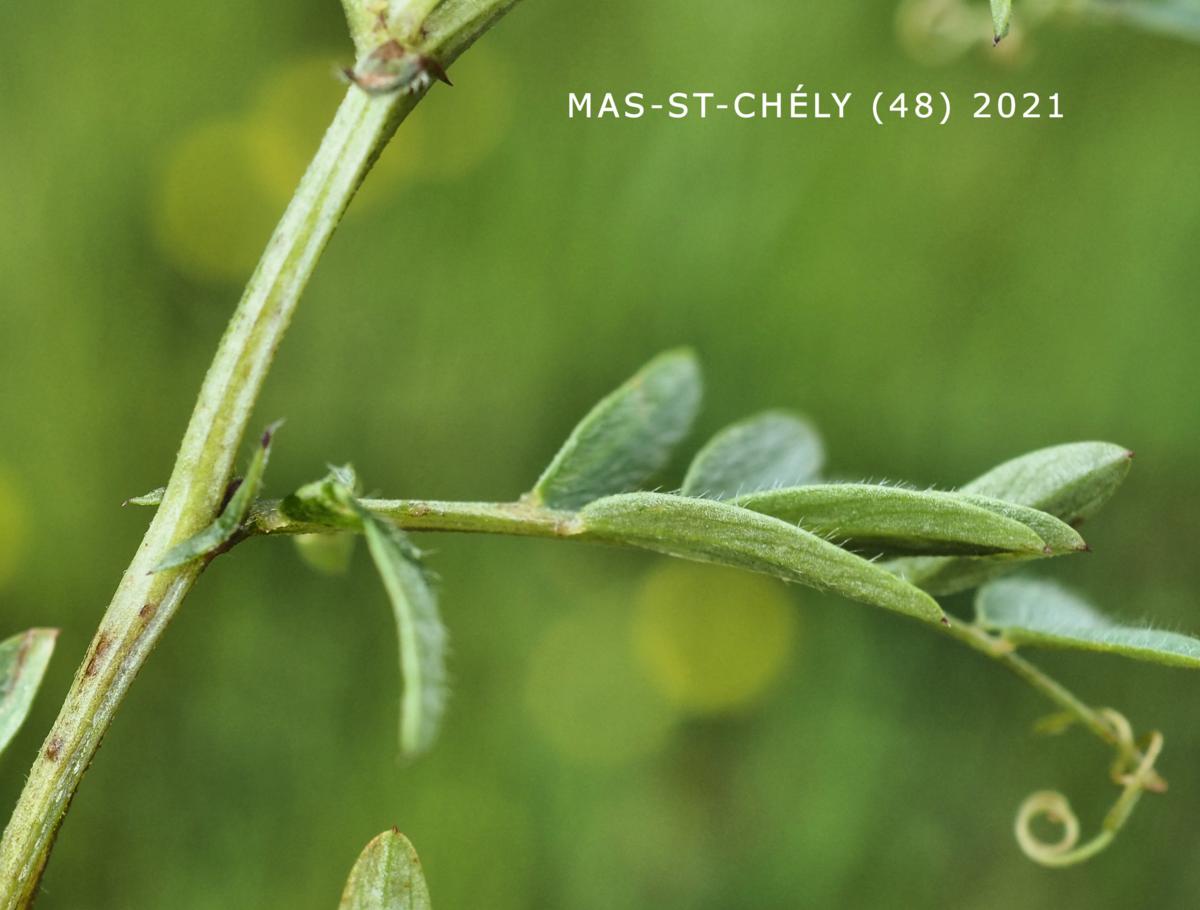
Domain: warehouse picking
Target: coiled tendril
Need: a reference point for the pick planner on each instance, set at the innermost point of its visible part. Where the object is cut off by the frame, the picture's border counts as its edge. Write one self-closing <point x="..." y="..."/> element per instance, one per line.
<point x="1132" y="770"/>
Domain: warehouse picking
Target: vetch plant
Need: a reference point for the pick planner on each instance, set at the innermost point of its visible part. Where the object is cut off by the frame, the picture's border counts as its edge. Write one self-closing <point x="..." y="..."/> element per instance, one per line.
<point x="753" y="498"/>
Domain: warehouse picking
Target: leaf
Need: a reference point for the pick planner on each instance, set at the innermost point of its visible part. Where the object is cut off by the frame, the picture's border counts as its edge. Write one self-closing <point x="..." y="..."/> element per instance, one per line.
<point x="23" y="661"/>
<point x="386" y="876"/>
<point x="331" y="502"/>
<point x="1001" y="19"/>
<point x="708" y="531"/>
<point x="769" y="450"/>
<point x="880" y="519"/>
<point x="1058" y="536"/>
<point x="219" y="533"/>
<point x="1029" y="611"/>
<point x="419" y="625"/>
<point x="628" y="437"/>
<point x="1070" y="482"/>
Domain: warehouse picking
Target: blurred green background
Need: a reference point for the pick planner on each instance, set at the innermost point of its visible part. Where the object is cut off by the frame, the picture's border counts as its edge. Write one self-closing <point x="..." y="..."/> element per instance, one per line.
<point x="938" y="299"/>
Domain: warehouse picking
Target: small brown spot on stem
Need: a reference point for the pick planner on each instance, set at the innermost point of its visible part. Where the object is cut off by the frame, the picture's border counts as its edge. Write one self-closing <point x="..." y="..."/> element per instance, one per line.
<point x="103" y="643"/>
<point x="147" y="611"/>
<point x="54" y="748"/>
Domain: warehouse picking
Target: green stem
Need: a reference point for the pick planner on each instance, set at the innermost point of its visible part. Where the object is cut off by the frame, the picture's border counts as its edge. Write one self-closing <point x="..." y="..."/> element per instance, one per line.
<point x="144" y="601"/>
<point x="521" y="519"/>
<point x="1090" y="718"/>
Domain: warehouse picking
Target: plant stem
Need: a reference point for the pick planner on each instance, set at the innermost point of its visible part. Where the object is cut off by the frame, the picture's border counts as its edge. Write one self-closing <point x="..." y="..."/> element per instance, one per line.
<point x="1092" y="719"/>
<point x="144" y="601"/>
<point x="516" y="518"/>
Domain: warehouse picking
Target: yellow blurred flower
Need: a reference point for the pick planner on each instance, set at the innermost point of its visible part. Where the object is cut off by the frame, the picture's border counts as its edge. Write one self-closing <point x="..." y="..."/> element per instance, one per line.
<point x="712" y="640"/>
<point x="586" y="696"/>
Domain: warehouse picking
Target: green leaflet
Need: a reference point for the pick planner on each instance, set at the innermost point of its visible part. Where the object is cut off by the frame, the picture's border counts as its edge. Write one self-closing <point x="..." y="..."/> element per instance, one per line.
<point x="219" y="533"/>
<point x="1028" y="611"/>
<point x="419" y="626"/>
<point x="1001" y="18"/>
<point x="628" y="437"/>
<point x="386" y="876"/>
<point x="23" y="661"/>
<point x="879" y="519"/>
<point x="1070" y="482"/>
<point x="770" y="450"/>
<point x="1057" y="535"/>
<point x="709" y="531"/>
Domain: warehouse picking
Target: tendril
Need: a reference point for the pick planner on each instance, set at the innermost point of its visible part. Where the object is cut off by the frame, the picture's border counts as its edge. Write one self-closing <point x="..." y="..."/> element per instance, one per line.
<point x="1132" y="769"/>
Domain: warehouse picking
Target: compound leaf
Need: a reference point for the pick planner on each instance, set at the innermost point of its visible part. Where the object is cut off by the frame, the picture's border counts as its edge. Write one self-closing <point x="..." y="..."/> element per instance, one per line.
<point x="1029" y="611"/>
<point x="386" y="876"/>
<point x="23" y="661"/>
<point x="709" y="531"/>
<point x="628" y="437"/>
<point x="770" y="450"/>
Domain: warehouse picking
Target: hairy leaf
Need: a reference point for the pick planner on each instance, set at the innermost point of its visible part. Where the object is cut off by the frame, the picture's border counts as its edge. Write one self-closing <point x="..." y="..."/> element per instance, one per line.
<point x="332" y="502"/>
<point x="1058" y="536"/>
<point x="709" y="531"/>
<point x="1001" y="18"/>
<point x="23" y="661"/>
<point x="1029" y="611"/>
<point x="1070" y="482"/>
<point x="419" y="625"/>
<point x="386" y="876"/>
<point x="880" y="519"/>
<point x="769" y="450"/>
<point x="219" y="533"/>
<point x="628" y="437"/>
